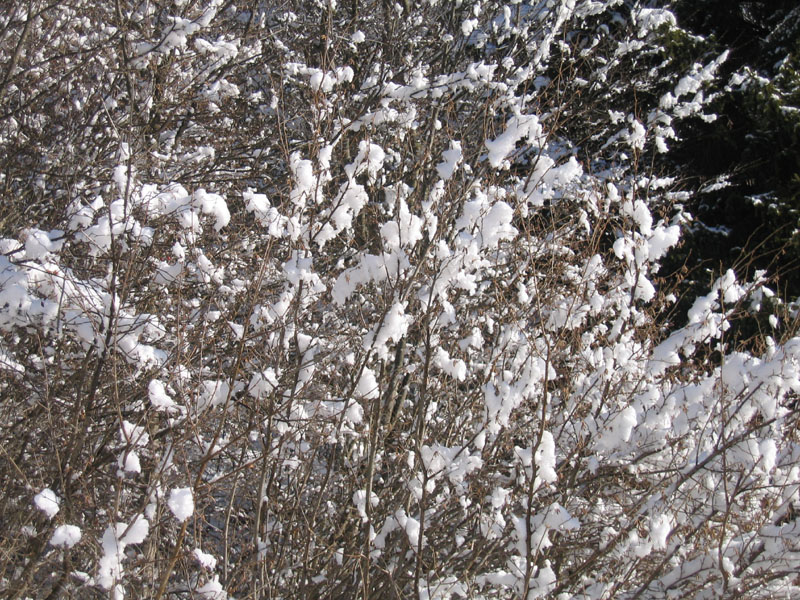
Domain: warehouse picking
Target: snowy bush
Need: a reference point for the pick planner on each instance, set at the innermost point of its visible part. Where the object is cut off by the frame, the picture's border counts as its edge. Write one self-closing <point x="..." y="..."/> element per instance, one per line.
<point x="361" y="299"/>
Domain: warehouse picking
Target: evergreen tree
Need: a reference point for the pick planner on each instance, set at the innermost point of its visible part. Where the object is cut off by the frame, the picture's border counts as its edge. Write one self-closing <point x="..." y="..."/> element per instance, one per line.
<point x="747" y="162"/>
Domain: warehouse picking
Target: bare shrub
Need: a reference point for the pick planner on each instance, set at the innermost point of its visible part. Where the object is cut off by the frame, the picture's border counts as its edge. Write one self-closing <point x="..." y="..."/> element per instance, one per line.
<point x="363" y="299"/>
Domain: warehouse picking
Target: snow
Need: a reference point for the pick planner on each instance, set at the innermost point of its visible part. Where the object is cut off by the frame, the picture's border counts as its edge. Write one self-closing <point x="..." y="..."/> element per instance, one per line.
<point x="135" y="533"/>
<point x="517" y="127"/>
<point x="651" y="19"/>
<point x="181" y="503"/>
<point x="662" y="239"/>
<point x="129" y="462"/>
<point x="303" y="173"/>
<point x="38" y="244"/>
<point x="214" y="205"/>
<point x="267" y="215"/>
<point x="207" y="561"/>
<point x="47" y="502"/>
<point x="544" y="582"/>
<point x="455" y="368"/>
<point x="637" y="135"/>
<point x="354" y="413"/>
<point x="410" y="525"/>
<point x="456" y="463"/>
<point x="109" y="569"/>
<point x="496" y="225"/>
<point x="404" y="230"/>
<point x="66" y="536"/>
<point x="618" y="430"/>
<point x="640" y="214"/>
<point x="545" y="458"/>
<point x="370" y="158"/>
<point x="166" y="273"/>
<point x="114" y="542"/>
<point x="263" y="383"/>
<point x="211" y="590"/>
<point x="133" y="434"/>
<point x="367" y="386"/>
<point x="352" y="197"/>
<point x="212" y="393"/>
<point x="660" y="528"/>
<point x="691" y="83"/>
<point x="394" y="326"/>
<point x="360" y="502"/>
<point x="452" y="157"/>
<point x="157" y="394"/>
<point x="221" y="48"/>
<point x="375" y="268"/>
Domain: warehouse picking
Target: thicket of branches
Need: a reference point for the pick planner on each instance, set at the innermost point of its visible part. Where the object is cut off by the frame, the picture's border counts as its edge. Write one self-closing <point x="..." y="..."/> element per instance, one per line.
<point x="362" y="300"/>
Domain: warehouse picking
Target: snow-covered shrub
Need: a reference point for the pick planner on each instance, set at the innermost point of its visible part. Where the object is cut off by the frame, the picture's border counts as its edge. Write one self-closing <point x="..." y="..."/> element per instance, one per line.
<point x="363" y="300"/>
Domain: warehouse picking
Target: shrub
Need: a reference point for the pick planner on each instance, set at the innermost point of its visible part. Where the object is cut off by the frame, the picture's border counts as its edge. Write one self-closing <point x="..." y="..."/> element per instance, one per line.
<point x="363" y="300"/>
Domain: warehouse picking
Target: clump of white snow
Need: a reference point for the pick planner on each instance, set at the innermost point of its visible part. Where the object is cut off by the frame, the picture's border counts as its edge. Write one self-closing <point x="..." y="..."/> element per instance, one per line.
<point x="38" y="244"/>
<point x="518" y="127"/>
<point x="545" y="458"/>
<point x="619" y="430"/>
<point x="360" y="501"/>
<point x="211" y="590"/>
<point x="66" y="536"/>
<point x="207" y="561"/>
<point x="47" y="502"/>
<point x="452" y="157"/>
<point x="129" y="462"/>
<point x="394" y="327"/>
<point x="181" y="503"/>
<point x="115" y="540"/>
<point x="159" y="397"/>
<point x="263" y="383"/>
<point x="367" y="384"/>
<point x="660" y="527"/>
